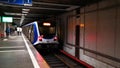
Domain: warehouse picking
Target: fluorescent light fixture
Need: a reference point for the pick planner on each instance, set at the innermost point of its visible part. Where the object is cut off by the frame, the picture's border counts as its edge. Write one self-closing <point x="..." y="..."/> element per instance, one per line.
<point x="26" y="9"/>
<point x="7" y="13"/>
<point x="24" y="12"/>
<point x="46" y="24"/>
<point x="27" y="4"/>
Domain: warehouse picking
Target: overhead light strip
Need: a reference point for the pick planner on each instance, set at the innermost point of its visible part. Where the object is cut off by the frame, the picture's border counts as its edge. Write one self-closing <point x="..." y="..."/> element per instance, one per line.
<point x="53" y="4"/>
<point x="47" y="8"/>
<point x="26" y="9"/>
<point x="7" y="13"/>
<point x="25" y="12"/>
<point x="30" y="7"/>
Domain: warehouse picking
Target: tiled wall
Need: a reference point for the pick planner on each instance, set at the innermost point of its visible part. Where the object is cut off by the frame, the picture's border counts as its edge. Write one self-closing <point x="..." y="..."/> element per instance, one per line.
<point x="101" y="33"/>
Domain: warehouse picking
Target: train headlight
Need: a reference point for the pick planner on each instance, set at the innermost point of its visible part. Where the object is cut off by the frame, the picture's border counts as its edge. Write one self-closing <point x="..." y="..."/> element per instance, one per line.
<point x="55" y="38"/>
<point x="40" y="38"/>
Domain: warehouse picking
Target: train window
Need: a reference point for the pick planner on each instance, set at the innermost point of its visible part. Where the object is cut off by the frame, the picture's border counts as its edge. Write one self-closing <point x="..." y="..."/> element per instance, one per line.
<point x="47" y="30"/>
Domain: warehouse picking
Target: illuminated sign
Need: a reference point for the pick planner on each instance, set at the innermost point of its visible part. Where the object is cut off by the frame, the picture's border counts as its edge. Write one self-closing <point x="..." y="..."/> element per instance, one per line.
<point x="19" y="2"/>
<point x="46" y="24"/>
<point x="7" y="19"/>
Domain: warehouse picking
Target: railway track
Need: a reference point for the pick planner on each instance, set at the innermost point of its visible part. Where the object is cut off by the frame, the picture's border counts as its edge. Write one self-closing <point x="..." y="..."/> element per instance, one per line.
<point x="61" y="61"/>
<point x="55" y="62"/>
<point x="56" y="59"/>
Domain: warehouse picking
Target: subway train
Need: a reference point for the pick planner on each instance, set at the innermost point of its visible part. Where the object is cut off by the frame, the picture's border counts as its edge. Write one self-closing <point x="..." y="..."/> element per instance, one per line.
<point x="42" y="34"/>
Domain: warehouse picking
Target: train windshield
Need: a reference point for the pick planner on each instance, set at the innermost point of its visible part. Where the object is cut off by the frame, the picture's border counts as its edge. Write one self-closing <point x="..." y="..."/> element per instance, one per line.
<point x="47" y="32"/>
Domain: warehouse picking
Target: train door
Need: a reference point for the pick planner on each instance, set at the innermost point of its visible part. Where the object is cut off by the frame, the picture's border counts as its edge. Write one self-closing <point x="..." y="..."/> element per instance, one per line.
<point x="31" y="33"/>
<point x="77" y="34"/>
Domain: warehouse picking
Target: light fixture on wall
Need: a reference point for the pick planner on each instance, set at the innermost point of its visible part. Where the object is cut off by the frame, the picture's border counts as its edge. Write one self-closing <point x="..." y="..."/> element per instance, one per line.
<point x="82" y="25"/>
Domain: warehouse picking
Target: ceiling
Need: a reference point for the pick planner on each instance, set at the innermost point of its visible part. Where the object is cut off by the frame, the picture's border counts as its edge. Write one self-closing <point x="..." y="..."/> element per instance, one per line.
<point x="41" y="9"/>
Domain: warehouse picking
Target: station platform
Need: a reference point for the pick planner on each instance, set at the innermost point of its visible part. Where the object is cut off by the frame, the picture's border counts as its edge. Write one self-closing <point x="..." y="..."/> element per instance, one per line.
<point x="18" y="52"/>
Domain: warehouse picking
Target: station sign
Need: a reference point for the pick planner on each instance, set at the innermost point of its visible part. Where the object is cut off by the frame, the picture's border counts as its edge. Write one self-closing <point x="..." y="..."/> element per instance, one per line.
<point x="6" y="19"/>
<point x="17" y="2"/>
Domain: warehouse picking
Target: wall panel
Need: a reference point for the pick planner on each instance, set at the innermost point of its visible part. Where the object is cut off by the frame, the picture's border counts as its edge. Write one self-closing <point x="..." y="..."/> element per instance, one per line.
<point x="106" y="32"/>
<point x="117" y="51"/>
<point x="90" y="32"/>
<point x="81" y="31"/>
<point x="71" y="30"/>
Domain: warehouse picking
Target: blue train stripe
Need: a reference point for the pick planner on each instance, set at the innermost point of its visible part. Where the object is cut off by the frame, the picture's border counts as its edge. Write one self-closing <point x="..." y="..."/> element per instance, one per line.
<point x="35" y="34"/>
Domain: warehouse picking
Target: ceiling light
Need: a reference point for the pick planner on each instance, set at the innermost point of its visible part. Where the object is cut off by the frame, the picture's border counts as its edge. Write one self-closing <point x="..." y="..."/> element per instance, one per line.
<point x="27" y="4"/>
<point x="24" y="12"/>
<point x="25" y="9"/>
<point x="7" y="13"/>
<point x="46" y="24"/>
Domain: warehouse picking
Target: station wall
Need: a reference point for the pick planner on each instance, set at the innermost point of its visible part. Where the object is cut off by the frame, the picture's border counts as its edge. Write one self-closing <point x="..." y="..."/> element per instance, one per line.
<point x="1" y="27"/>
<point x="2" y="30"/>
<point x="100" y="35"/>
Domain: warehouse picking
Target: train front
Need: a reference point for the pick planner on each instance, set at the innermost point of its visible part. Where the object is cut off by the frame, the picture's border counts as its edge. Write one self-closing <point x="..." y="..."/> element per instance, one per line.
<point x="48" y="35"/>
